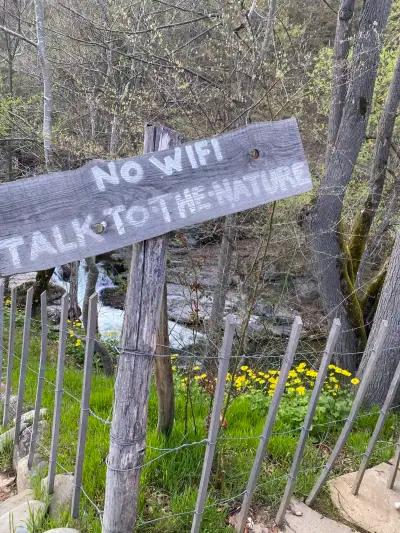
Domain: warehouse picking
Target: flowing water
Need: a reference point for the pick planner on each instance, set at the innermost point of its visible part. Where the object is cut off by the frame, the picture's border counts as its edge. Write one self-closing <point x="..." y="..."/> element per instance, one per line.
<point x="110" y="319"/>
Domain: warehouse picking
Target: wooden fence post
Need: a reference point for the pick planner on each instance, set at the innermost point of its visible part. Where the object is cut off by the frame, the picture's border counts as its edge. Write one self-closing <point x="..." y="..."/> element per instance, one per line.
<point x="40" y="383"/>
<point x="10" y="358"/>
<point x="138" y="346"/>
<point x="270" y="420"/>
<point x="87" y="384"/>
<point x="58" y="394"/>
<point x="298" y="456"/>
<point x="22" y="371"/>
<point x="395" y="466"/>
<point x="215" y="421"/>
<point x="1" y="328"/>
<point x="394" y="385"/>
<point x="353" y="413"/>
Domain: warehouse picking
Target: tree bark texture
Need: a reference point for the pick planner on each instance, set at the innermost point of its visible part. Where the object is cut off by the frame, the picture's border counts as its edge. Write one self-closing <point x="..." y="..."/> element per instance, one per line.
<point x="383" y="142"/>
<point x="326" y="217"/>
<point x="340" y="71"/>
<point x="47" y="87"/>
<point x="388" y="309"/>
<point x="138" y="346"/>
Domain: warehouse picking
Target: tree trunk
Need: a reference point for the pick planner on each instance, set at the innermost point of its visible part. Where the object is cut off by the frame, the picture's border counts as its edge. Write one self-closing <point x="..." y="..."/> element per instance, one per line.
<point x="221" y="289"/>
<point x="74" y="311"/>
<point x="384" y="135"/>
<point x="47" y="88"/>
<point x="138" y="346"/>
<point x="41" y="284"/>
<point x="326" y="217"/>
<point x="388" y="309"/>
<point x="47" y="120"/>
<point x="163" y="374"/>
<point x="340" y="71"/>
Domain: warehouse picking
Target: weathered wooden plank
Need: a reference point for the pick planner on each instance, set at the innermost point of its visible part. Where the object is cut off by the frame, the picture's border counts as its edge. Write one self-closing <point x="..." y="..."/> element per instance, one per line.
<point x="64" y="216"/>
<point x="1" y="328"/>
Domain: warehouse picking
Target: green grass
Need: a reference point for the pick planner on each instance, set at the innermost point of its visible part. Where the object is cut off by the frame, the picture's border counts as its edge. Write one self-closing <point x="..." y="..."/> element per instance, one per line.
<point x="169" y="484"/>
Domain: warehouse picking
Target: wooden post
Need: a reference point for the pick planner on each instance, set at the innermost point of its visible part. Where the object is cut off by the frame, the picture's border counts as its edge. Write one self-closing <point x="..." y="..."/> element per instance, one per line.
<point x="87" y="384"/>
<point x="1" y="329"/>
<point x="163" y="373"/>
<point x="22" y="371"/>
<point x="270" y="420"/>
<point x="353" y="412"/>
<point x="395" y="466"/>
<point x="40" y="383"/>
<point x="10" y="358"/>
<point x="215" y="421"/>
<point x="394" y="385"/>
<point x="138" y="346"/>
<point x="298" y="456"/>
<point x="58" y="394"/>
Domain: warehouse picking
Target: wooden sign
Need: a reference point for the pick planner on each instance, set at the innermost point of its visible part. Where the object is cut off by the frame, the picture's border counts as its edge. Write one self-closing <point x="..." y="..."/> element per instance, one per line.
<point x="61" y="217"/>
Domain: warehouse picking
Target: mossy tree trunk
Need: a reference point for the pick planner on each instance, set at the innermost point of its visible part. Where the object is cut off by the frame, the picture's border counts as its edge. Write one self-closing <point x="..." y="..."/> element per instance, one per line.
<point x="330" y="259"/>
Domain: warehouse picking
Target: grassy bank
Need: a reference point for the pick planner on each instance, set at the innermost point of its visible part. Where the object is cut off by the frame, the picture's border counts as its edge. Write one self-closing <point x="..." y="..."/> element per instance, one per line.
<point x="170" y="479"/>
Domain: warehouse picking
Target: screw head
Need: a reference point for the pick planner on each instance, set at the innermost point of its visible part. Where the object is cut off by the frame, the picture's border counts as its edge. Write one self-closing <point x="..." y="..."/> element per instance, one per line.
<point x="99" y="227"/>
<point x="254" y="153"/>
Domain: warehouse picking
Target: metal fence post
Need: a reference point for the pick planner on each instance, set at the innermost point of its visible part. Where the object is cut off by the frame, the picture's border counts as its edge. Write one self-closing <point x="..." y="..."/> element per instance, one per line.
<point x="269" y="423"/>
<point x="395" y="466"/>
<point x="58" y="393"/>
<point x="298" y="456"/>
<point x="215" y="421"/>
<point x="40" y="383"/>
<point x="24" y="361"/>
<point x="353" y="413"/>
<point x="83" y="424"/>
<point x="10" y="358"/>
<point x="394" y="385"/>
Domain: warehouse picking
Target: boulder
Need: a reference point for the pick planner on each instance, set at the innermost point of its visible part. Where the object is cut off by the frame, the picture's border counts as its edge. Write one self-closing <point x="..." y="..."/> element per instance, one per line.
<point x="25" y="438"/>
<point x="21" y="516"/>
<point x="62" y="530"/>
<point x="62" y="495"/>
<point x="24" y="474"/>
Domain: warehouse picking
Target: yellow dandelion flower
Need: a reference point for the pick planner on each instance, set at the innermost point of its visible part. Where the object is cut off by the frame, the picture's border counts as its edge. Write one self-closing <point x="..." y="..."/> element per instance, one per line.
<point x="355" y="381"/>
<point x="244" y="368"/>
<point x="196" y="367"/>
<point x="301" y="391"/>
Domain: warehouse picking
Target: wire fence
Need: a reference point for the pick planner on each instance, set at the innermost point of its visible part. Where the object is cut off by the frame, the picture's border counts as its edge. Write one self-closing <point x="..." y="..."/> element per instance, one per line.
<point x="216" y="436"/>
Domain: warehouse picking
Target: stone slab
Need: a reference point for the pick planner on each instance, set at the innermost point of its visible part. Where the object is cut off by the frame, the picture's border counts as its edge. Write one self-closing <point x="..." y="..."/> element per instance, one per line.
<point x="311" y="521"/>
<point x="20" y="517"/>
<point x="14" y="501"/>
<point x="374" y="508"/>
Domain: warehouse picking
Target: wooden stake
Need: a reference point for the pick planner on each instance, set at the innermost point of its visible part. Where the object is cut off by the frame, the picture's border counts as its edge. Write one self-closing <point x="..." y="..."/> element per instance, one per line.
<point x="10" y="358"/>
<point x="138" y="345"/>
<point x="87" y="383"/>
<point x="215" y="421"/>
<point x="40" y="383"/>
<point x="1" y="328"/>
<point x="344" y="435"/>
<point x="22" y="371"/>
<point x="55" y="434"/>
<point x="298" y="456"/>
<point x="269" y="423"/>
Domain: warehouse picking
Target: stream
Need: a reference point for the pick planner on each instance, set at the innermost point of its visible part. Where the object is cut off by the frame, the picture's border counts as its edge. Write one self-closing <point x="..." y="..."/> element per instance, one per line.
<point x="110" y="319"/>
